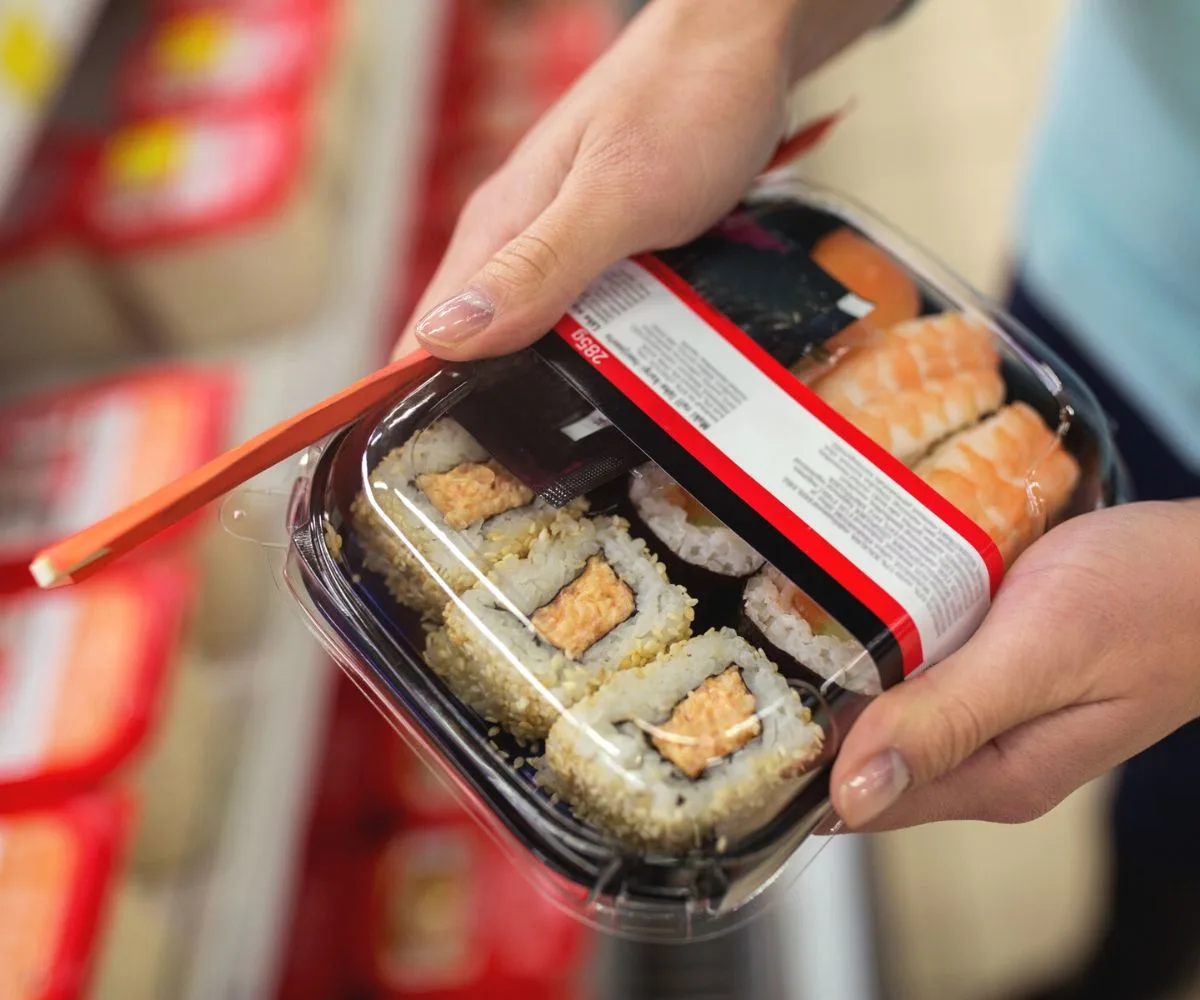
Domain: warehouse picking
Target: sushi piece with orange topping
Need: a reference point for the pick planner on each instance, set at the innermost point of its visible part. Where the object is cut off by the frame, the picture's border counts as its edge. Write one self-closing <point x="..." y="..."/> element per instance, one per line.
<point x="700" y="747"/>
<point x="1009" y="474"/>
<point x="439" y="511"/>
<point x="908" y="424"/>
<point x="907" y="357"/>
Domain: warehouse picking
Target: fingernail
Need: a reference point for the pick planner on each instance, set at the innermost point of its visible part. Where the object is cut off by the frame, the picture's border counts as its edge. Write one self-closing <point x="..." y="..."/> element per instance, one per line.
<point x="457" y="320"/>
<point x="876" y="786"/>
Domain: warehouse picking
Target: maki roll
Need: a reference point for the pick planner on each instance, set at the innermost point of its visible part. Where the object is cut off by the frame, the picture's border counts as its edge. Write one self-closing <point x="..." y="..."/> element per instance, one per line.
<point x="701" y="552"/>
<point x="707" y="742"/>
<point x="439" y="512"/>
<point x="546" y="629"/>
<point x="787" y="622"/>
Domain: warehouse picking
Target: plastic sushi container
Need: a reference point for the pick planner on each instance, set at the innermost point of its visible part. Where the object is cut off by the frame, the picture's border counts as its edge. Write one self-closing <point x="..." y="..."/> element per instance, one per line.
<point x="628" y="589"/>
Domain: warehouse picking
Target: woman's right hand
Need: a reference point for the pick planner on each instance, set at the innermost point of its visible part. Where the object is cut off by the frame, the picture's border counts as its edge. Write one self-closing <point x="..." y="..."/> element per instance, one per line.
<point x="652" y="145"/>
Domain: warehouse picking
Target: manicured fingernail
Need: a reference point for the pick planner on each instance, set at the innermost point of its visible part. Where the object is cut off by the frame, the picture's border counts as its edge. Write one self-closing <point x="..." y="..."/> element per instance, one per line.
<point x="876" y="786"/>
<point x="457" y="320"/>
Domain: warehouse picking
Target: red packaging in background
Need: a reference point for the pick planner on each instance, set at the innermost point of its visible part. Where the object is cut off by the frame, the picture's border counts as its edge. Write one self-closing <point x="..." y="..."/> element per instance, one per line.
<point x="82" y="676"/>
<point x="225" y="56"/>
<point x="411" y="788"/>
<point x="569" y="38"/>
<point x="166" y="7"/>
<point x="72" y="927"/>
<point x="58" y="871"/>
<point x="370" y="779"/>
<point x="322" y="931"/>
<point x="72" y="456"/>
<point x="218" y="224"/>
<point x="449" y="917"/>
<point x="506" y="65"/>
<point x="344" y="800"/>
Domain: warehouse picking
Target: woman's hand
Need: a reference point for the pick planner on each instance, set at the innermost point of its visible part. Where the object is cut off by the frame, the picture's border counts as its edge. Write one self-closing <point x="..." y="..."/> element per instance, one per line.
<point x="1090" y="654"/>
<point x="655" y="142"/>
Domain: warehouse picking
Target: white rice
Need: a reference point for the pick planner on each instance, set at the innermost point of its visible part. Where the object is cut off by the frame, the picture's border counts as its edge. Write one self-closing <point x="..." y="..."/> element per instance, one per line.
<point x="493" y="659"/>
<point x="844" y="662"/>
<point x="601" y="758"/>
<point x="716" y="548"/>
<point x="396" y="518"/>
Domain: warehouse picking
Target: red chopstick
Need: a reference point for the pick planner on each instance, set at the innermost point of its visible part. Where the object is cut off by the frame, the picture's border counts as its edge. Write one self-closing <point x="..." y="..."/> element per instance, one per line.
<point x="85" y="553"/>
<point x="808" y="137"/>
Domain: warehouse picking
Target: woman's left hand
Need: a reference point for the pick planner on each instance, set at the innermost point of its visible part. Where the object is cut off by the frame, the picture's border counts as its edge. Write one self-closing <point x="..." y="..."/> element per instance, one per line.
<point x="1089" y="655"/>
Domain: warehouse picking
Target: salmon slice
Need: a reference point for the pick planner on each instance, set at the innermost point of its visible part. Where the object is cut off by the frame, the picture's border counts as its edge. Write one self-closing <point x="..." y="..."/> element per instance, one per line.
<point x="909" y="423"/>
<point x="473" y="492"/>
<point x="712" y="722"/>
<point x="1009" y="474"/>
<point x="905" y="357"/>
<point x="585" y="610"/>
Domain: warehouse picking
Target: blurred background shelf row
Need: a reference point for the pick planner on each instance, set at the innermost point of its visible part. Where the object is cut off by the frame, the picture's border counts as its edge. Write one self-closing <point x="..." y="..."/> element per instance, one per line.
<point x="219" y="211"/>
<point x="39" y="43"/>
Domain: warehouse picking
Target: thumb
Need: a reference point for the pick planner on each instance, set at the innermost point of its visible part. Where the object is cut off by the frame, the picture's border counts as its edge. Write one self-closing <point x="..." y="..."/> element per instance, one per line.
<point x="926" y="727"/>
<point x="527" y="286"/>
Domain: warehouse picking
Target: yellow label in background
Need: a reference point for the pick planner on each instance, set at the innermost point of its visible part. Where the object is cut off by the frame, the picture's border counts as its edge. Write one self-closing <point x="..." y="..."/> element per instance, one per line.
<point x="145" y="155"/>
<point x="191" y="44"/>
<point x="30" y="58"/>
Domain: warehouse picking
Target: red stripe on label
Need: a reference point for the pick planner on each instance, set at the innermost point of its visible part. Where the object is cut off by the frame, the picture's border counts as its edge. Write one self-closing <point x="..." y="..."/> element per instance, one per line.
<point x="794" y="528"/>
<point x="883" y="460"/>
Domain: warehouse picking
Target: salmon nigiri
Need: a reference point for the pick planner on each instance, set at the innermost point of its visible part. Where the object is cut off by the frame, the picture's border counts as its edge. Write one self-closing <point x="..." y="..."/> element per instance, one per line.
<point x="1009" y="474"/>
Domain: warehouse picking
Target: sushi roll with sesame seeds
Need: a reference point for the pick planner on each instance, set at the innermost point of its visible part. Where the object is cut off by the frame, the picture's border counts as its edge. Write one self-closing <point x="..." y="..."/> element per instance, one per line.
<point x="546" y="629"/>
<point x="707" y="742"/>
<point x="439" y="511"/>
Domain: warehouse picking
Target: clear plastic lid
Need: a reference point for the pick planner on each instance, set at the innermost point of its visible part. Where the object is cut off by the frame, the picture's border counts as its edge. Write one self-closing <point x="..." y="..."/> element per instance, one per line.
<point x="631" y="585"/>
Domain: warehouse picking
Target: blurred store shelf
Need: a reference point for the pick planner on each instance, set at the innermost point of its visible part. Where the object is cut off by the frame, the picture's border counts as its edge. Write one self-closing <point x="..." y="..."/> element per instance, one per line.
<point x="39" y="42"/>
<point x="246" y="904"/>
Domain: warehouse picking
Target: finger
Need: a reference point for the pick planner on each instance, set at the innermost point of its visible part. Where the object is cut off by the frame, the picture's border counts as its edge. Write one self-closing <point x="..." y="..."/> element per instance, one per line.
<point x="465" y="255"/>
<point x="527" y="286"/>
<point x="476" y="236"/>
<point x="1020" y="775"/>
<point x="924" y="728"/>
<point x="495" y="213"/>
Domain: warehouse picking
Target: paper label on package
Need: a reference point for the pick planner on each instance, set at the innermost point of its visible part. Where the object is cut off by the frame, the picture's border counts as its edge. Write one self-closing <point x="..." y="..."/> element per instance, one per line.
<point x="919" y="565"/>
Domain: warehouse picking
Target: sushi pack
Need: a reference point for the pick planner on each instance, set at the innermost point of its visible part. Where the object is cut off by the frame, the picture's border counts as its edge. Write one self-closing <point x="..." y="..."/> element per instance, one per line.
<point x="630" y="586"/>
